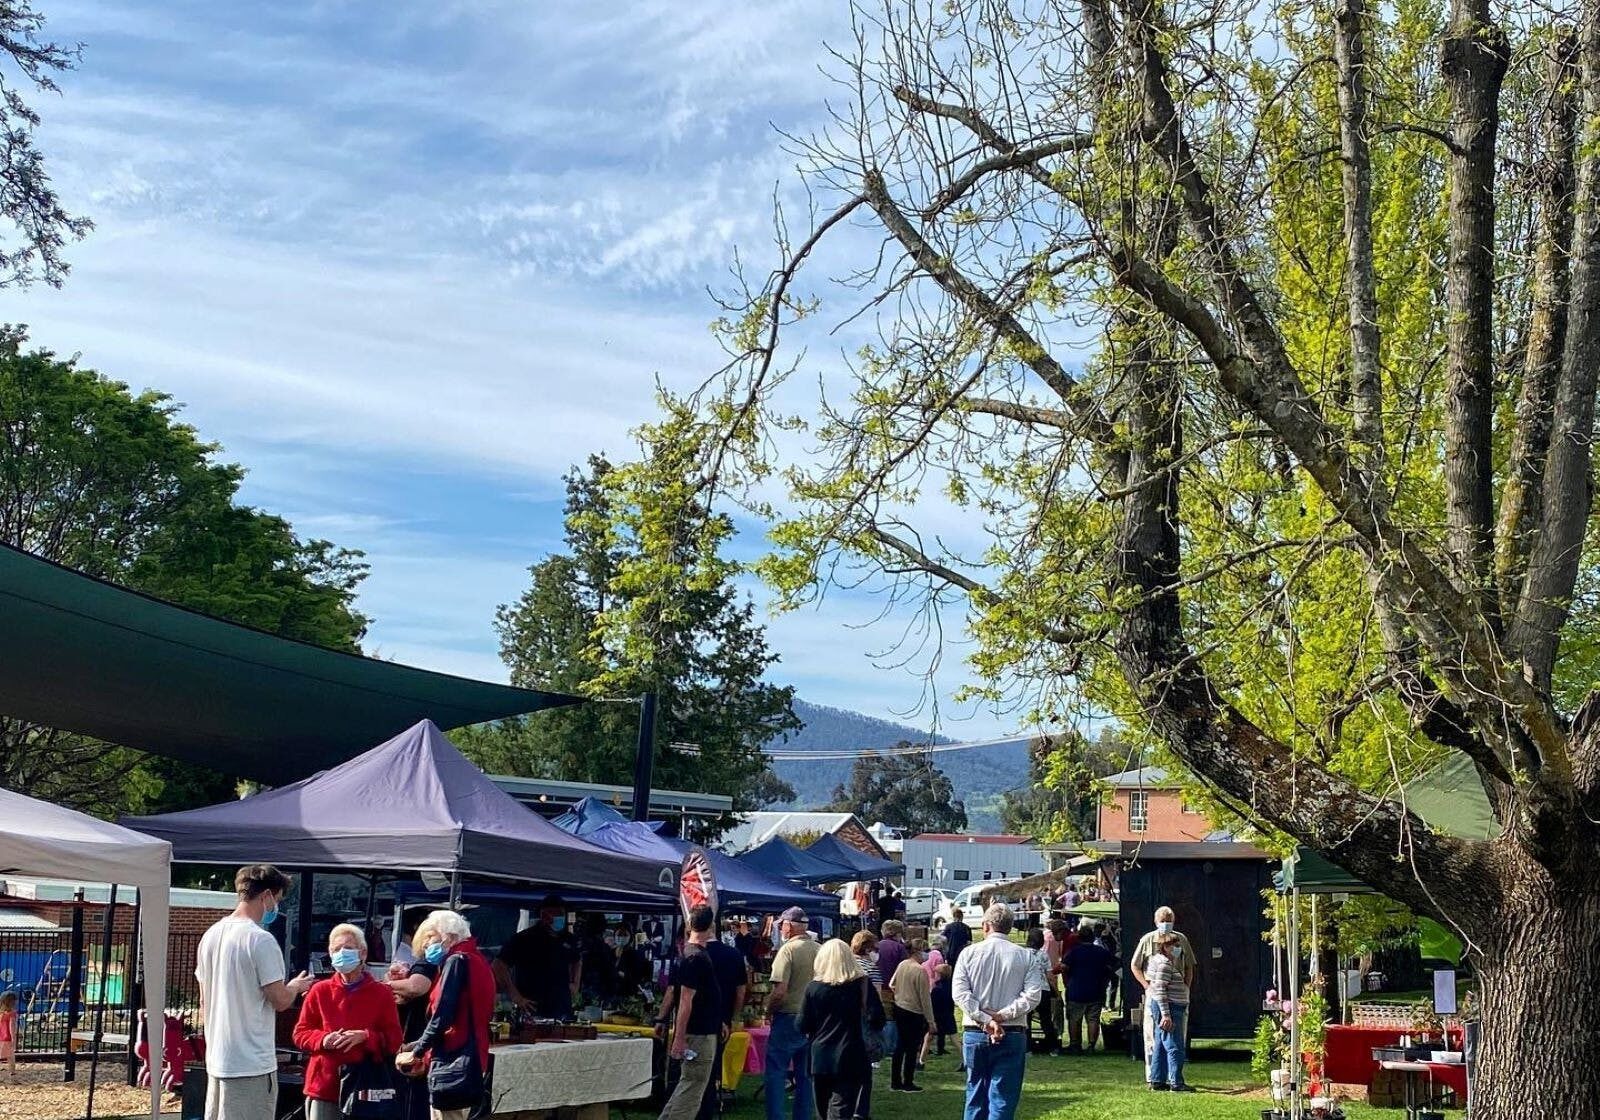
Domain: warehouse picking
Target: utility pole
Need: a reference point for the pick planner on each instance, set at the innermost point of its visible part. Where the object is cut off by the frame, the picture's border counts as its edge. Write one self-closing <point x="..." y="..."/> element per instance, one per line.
<point x="644" y="757"/>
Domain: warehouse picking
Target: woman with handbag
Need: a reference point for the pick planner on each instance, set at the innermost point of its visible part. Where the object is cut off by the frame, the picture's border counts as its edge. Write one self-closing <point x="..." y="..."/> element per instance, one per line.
<point x="349" y="1027"/>
<point x="455" y="1041"/>
<point x="836" y="1014"/>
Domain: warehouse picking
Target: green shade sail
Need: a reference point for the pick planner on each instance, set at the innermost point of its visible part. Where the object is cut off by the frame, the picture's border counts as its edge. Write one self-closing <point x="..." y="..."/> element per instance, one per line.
<point x="86" y="656"/>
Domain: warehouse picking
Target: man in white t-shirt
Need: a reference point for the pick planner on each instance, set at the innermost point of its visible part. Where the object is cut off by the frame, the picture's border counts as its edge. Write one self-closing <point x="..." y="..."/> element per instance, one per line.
<point x="242" y="988"/>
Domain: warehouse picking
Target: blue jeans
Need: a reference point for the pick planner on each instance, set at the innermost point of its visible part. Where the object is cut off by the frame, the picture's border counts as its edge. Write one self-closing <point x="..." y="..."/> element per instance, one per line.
<point x="1169" y="1051"/>
<point x="786" y="1048"/>
<point x="891" y="1034"/>
<point x="994" y="1074"/>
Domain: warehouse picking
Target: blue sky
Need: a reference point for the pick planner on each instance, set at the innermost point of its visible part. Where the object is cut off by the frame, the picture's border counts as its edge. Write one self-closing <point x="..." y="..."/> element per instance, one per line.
<point x="408" y="262"/>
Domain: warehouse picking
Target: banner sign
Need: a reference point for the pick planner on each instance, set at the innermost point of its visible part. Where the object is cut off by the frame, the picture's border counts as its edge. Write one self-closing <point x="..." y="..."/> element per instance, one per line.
<point x="697" y="883"/>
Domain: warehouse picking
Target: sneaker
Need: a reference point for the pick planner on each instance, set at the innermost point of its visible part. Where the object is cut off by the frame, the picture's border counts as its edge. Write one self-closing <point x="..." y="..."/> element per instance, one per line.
<point x="1157" y="1087"/>
<point x="922" y="1065"/>
<point x="1180" y="1088"/>
<point x="913" y="1089"/>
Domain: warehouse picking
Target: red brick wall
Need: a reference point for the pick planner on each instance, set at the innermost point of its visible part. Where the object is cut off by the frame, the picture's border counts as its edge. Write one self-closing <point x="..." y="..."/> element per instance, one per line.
<point x="860" y="839"/>
<point x="186" y="925"/>
<point x="1166" y="819"/>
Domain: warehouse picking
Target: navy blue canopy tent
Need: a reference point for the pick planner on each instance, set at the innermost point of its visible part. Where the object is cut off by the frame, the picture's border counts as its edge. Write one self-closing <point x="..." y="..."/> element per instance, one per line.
<point x="590" y="814"/>
<point x="740" y="889"/>
<point x="781" y="858"/>
<point x="411" y="804"/>
<point x="834" y="850"/>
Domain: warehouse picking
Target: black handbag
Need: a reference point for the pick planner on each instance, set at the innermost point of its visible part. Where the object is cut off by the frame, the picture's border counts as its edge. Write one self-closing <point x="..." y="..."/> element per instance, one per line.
<point x="456" y="1081"/>
<point x="368" y="1091"/>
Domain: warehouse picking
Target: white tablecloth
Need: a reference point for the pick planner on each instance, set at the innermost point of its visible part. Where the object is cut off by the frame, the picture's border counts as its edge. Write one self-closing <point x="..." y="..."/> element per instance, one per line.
<point x="566" y="1074"/>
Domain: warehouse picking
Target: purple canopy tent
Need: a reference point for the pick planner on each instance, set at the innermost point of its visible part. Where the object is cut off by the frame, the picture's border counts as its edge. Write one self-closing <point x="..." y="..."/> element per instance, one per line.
<point x="781" y="858"/>
<point x="411" y="804"/>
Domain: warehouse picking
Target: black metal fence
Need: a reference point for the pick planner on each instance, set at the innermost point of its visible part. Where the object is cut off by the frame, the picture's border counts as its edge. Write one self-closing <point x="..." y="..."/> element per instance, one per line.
<point x="54" y="1000"/>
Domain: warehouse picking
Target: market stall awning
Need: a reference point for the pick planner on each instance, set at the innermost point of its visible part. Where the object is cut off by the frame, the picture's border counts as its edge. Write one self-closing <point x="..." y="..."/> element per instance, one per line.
<point x="1313" y="873"/>
<point x="83" y="655"/>
<point x="411" y="804"/>
<point x="834" y="850"/>
<point x="591" y="814"/>
<point x="781" y="858"/>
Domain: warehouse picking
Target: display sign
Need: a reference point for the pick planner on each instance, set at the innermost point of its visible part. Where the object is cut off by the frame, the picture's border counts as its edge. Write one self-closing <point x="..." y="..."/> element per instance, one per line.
<point x="697" y="883"/>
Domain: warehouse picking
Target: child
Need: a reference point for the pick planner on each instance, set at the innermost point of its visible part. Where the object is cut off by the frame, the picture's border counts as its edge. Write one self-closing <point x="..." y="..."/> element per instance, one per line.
<point x="8" y="1032"/>
<point x="1168" y="997"/>
<point x="944" y="1006"/>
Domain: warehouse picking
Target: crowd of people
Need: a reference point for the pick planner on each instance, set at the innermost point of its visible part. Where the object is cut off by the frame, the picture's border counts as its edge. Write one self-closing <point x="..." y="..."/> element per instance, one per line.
<point x="839" y="1009"/>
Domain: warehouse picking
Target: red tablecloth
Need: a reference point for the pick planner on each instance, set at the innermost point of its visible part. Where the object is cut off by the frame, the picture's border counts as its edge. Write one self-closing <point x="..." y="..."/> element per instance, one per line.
<point x="1349" y="1058"/>
<point x="755" y="1059"/>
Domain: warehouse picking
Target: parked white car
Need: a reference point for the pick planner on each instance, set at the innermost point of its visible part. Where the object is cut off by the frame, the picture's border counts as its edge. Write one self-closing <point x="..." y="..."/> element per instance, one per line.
<point x="923" y="904"/>
<point x="967" y="901"/>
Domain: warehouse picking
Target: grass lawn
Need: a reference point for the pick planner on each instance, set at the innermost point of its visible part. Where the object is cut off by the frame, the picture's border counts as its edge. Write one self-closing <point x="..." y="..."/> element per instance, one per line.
<point x="1086" y="1087"/>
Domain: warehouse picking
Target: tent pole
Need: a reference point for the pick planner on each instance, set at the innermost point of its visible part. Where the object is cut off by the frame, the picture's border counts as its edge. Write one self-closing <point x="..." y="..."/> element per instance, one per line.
<point x="100" y="1003"/>
<point x="74" y="983"/>
<point x="644" y="757"/>
<point x="304" y="905"/>
<point x="455" y="891"/>
<point x="132" y="993"/>
<point x="1294" y="995"/>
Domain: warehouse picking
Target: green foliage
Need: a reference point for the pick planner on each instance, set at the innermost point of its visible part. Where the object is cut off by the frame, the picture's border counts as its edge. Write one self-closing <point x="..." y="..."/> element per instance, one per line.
<point x="641" y="600"/>
<point x="113" y="484"/>
<point x="1266" y="1051"/>
<point x="1060" y="801"/>
<point x="904" y="791"/>
<point x="1312" y="1013"/>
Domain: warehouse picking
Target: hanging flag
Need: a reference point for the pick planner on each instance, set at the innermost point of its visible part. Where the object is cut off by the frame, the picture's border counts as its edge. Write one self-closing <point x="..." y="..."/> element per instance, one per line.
<point x="697" y="883"/>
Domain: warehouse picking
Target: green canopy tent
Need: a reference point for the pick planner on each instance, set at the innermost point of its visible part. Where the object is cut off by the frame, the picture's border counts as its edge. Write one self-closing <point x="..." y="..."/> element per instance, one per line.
<point x="86" y="656"/>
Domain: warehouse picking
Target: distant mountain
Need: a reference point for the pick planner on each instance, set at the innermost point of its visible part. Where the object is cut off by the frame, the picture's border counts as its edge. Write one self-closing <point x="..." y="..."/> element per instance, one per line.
<point x="979" y="775"/>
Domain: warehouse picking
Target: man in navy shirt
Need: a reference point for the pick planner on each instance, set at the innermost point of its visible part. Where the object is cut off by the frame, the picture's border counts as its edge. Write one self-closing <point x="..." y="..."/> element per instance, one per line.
<point x="1088" y="967"/>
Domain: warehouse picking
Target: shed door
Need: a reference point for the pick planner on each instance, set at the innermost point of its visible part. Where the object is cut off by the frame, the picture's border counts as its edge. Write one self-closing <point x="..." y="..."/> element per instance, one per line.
<point x="1219" y="907"/>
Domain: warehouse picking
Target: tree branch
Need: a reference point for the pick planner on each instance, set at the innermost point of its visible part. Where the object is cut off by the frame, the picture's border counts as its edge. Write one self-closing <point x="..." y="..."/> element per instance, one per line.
<point x="1009" y="160"/>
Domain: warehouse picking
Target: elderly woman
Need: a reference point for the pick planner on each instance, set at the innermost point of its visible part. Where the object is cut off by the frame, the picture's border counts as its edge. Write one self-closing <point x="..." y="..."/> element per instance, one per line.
<point x="836" y="1001"/>
<point x="411" y="978"/>
<point x="347" y="1018"/>
<point x="456" y="1034"/>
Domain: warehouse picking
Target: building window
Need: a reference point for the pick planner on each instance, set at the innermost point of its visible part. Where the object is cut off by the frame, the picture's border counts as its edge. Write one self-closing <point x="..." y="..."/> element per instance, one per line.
<point x="988" y="874"/>
<point x="1138" y="811"/>
<point x="1190" y="808"/>
<point x="962" y="875"/>
<point x="919" y="872"/>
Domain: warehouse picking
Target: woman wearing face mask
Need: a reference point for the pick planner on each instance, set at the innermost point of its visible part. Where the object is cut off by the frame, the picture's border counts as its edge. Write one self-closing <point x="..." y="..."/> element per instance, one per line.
<point x="459" y="1006"/>
<point x="349" y="1017"/>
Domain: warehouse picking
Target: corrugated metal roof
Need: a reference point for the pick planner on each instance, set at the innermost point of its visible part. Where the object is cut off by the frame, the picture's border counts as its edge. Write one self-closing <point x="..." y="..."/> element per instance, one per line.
<point x="15" y="921"/>
<point x="61" y="890"/>
<point x="1146" y="777"/>
<point x="963" y="838"/>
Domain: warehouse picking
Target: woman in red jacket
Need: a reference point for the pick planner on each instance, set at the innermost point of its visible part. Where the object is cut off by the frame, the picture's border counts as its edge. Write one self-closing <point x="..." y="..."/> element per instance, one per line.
<point x="459" y="1006"/>
<point x="347" y="1018"/>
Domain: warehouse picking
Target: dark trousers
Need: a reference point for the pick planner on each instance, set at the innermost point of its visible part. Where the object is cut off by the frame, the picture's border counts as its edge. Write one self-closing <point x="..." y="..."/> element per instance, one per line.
<point x="711" y="1103"/>
<point x="863" y="1108"/>
<point x="911" y="1027"/>
<point x="1050" y="1020"/>
<point x="837" y="1097"/>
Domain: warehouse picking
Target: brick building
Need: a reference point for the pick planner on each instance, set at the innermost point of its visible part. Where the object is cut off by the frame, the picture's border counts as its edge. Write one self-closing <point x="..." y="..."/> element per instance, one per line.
<point x="1146" y="805"/>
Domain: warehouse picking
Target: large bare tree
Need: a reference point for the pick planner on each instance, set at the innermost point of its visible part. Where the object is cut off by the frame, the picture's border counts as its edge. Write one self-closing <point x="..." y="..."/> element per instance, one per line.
<point x="1259" y="348"/>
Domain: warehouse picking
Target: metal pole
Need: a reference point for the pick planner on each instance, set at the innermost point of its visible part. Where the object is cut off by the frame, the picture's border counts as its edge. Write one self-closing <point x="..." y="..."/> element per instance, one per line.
<point x="74" y="982"/>
<point x="455" y="891"/>
<point x="133" y="991"/>
<point x="302" y="923"/>
<point x="1294" y="994"/>
<point x="100" y="1004"/>
<point x="644" y="757"/>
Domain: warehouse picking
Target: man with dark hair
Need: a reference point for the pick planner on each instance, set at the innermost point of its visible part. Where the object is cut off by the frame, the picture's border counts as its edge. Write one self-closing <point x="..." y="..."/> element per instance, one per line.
<point x="242" y="988"/>
<point x="733" y="978"/>
<point x="539" y="968"/>
<point x="699" y="1017"/>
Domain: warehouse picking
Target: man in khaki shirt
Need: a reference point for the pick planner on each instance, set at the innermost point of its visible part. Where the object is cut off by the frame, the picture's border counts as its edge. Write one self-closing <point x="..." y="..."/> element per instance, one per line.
<point x="787" y="1048"/>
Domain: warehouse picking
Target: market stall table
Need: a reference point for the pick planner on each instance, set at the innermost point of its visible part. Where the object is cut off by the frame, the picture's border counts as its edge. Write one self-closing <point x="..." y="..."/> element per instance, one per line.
<point x="1424" y="1076"/>
<point x="1348" y="1058"/>
<point x="756" y="1060"/>
<point x="543" y="1075"/>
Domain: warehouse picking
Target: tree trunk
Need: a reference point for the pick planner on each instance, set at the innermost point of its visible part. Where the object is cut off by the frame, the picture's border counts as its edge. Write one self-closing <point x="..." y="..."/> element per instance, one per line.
<point x="1532" y="1062"/>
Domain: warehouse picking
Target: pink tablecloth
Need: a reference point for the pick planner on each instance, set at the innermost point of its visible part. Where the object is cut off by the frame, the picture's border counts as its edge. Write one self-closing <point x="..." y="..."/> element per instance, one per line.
<point x="755" y="1061"/>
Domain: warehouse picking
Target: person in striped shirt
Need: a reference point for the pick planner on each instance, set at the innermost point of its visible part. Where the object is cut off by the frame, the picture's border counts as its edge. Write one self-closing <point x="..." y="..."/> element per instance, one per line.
<point x="1168" y="997"/>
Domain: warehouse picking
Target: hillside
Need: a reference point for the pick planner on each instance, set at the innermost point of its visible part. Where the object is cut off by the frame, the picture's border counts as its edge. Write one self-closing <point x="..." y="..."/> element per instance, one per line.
<point x="980" y="776"/>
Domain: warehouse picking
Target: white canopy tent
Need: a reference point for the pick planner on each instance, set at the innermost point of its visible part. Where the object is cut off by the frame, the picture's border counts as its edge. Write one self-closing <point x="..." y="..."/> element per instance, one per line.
<point x="38" y="838"/>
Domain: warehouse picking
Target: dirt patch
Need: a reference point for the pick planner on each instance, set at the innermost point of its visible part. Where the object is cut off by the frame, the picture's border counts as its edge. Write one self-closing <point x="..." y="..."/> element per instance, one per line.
<point x="40" y="1094"/>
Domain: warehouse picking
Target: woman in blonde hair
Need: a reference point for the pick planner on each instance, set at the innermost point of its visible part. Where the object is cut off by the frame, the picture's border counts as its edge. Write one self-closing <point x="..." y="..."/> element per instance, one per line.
<point x="836" y="1002"/>
<point x="347" y="1019"/>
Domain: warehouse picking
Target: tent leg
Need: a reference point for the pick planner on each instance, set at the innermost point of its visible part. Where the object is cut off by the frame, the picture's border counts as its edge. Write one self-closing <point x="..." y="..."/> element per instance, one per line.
<point x="132" y="989"/>
<point x="74" y="983"/>
<point x="455" y="891"/>
<point x="100" y="1003"/>
<point x="305" y="904"/>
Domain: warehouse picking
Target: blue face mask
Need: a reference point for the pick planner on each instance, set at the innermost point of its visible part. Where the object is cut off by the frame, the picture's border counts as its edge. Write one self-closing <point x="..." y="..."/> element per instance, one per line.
<point x="268" y="916"/>
<point x="345" y="960"/>
<point x="1164" y="927"/>
<point x="558" y="924"/>
<point x="434" y="953"/>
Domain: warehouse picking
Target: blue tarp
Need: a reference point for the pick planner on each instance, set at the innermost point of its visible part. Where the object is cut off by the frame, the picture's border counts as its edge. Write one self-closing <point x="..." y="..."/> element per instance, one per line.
<point x="411" y="804"/>
<point x="834" y="850"/>
<point x="592" y="813"/>
<point x="780" y="858"/>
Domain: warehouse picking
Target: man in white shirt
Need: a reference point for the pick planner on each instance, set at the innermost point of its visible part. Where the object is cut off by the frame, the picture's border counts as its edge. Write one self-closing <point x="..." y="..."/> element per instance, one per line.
<point x="242" y="988"/>
<point x="996" y="984"/>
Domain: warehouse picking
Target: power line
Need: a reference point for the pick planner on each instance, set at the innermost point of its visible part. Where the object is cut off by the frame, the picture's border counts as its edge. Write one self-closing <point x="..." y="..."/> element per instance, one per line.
<point x="890" y="752"/>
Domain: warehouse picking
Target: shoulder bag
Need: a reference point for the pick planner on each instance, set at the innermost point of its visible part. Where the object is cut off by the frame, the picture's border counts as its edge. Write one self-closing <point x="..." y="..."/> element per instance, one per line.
<point x="456" y="1080"/>
<point x="876" y="1047"/>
